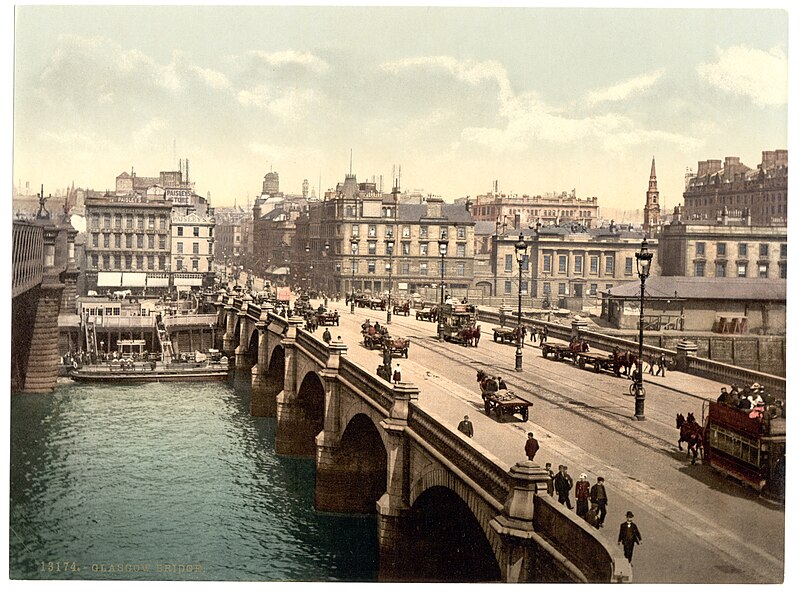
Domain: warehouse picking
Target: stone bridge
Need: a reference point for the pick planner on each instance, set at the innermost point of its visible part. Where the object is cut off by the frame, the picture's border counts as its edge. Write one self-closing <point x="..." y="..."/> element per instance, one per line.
<point x="447" y="510"/>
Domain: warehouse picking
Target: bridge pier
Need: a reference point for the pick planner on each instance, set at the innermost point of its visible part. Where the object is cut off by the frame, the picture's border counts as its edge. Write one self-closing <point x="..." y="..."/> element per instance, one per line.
<point x="262" y="400"/>
<point x="291" y="419"/>
<point x="229" y="338"/>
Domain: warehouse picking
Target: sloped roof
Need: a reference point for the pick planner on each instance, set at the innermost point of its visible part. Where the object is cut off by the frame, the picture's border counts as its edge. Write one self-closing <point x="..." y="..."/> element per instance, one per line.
<point x="689" y="287"/>
<point x="453" y="213"/>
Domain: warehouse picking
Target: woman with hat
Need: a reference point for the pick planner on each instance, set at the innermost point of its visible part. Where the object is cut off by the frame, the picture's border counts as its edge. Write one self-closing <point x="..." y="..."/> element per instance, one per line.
<point x="629" y="535"/>
<point x="582" y="495"/>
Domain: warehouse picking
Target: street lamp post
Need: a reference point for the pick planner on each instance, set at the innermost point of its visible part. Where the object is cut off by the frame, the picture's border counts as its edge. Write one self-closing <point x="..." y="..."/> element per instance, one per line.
<point x="643" y="261"/>
<point x="353" y="252"/>
<point x="442" y="252"/>
<point x="520" y="250"/>
<point x="390" y="253"/>
<point x="309" y="268"/>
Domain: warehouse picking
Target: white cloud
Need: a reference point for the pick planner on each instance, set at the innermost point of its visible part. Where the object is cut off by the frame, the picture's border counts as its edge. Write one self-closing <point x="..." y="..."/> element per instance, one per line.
<point x="291" y="104"/>
<point x="762" y="76"/>
<point x="623" y="90"/>
<point x="212" y="78"/>
<point x="292" y="57"/>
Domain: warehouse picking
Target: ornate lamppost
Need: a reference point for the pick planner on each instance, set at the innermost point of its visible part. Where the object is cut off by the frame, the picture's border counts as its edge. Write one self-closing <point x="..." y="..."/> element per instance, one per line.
<point x="643" y="260"/>
<point x="520" y="250"/>
<point x="353" y="252"/>
<point x="443" y="242"/>
<point x="390" y="253"/>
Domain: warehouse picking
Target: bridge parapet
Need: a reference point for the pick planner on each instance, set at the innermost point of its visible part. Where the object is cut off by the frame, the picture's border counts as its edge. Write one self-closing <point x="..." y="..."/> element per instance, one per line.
<point x="27" y="257"/>
<point x="369" y="387"/>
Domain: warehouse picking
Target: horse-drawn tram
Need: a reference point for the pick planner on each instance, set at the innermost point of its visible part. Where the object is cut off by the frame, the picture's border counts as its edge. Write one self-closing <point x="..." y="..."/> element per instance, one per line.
<point x="458" y="321"/>
<point x="750" y="449"/>
<point x="499" y="399"/>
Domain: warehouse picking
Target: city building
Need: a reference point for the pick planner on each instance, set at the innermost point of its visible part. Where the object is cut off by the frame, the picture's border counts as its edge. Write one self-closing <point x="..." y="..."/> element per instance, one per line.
<point x="550" y="209"/>
<point x="735" y="186"/>
<point x="568" y="265"/>
<point x="730" y="248"/>
<point x="192" y="243"/>
<point x="343" y="243"/>
<point x="231" y="232"/>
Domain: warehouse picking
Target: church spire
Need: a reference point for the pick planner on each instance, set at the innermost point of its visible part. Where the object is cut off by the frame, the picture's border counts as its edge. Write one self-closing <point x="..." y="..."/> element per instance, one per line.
<point x="652" y="210"/>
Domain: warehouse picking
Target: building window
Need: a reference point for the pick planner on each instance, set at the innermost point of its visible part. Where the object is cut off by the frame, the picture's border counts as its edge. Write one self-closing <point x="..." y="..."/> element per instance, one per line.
<point x="179" y="264"/>
<point x="95" y="221"/>
<point x="94" y="260"/>
<point x="195" y="265"/>
<point x="106" y="240"/>
<point x="423" y="269"/>
<point x="720" y="269"/>
<point x="372" y="247"/>
<point x="562" y="288"/>
<point x="443" y="232"/>
<point x="389" y="231"/>
<point x="162" y="262"/>
<point x="562" y="264"/>
<point x="129" y="221"/>
<point x="461" y="250"/>
<point x="162" y="222"/>
<point x="507" y="287"/>
<point x="372" y="231"/>
<point x="403" y="267"/>
<point x="118" y="221"/>
<point x="721" y="249"/>
<point x="196" y="231"/>
<point x="162" y="242"/>
<point x="151" y="242"/>
<point x="406" y="247"/>
<point x="151" y="221"/>
<point x="459" y="269"/>
<point x="578" y="264"/>
<point x="783" y="250"/>
<point x="406" y="231"/>
<point x="461" y="233"/>
<point x="763" y="270"/>
<point x="195" y="248"/>
<point x="423" y="249"/>
<point x="140" y="222"/>
<point x="107" y="221"/>
<point x="95" y="239"/>
<point x="150" y="262"/>
<point x="628" y="266"/>
<point x="509" y="261"/>
<point x="179" y="247"/>
<point x="371" y="266"/>
<point x="593" y="289"/>
<point x="742" y="250"/>
<point x="741" y="270"/>
<point x="699" y="268"/>
<point x="180" y="231"/>
<point x="523" y="287"/>
<point x="609" y="264"/>
<point x="116" y="262"/>
<point x="128" y="262"/>
<point x="700" y="248"/>
<point x="547" y="263"/>
<point x="782" y="269"/>
<point x="354" y="231"/>
<point x="423" y="232"/>
<point x="117" y="240"/>
<point x="546" y="288"/>
<point x="594" y="264"/>
<point x="129" y="240"/>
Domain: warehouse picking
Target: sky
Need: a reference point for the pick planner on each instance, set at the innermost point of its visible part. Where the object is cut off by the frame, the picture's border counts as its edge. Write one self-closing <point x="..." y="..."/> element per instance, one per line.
<point x="541" y="100"/>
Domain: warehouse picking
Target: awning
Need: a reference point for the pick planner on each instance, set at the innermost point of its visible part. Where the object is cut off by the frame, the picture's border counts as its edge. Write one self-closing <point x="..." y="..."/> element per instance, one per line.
<point x="283" y="270"/>
<point x="109" y="279"/>
<point x="157" y="281"/>
<point x="134" y="279"/>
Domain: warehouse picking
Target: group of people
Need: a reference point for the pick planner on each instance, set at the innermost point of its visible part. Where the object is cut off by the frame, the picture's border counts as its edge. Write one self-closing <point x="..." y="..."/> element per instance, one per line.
<point x="753" y="400"/>
<point x="658" y="364"/>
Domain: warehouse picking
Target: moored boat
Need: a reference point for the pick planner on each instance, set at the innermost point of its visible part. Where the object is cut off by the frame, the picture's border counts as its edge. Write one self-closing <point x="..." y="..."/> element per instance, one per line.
<point x="140" y="372"/>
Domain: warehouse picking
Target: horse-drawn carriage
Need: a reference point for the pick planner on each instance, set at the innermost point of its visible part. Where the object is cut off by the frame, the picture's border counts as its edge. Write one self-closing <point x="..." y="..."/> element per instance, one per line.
<point x="571" y="351"/>
<point x="499" y="399"/>
<point x="376" y="303"/>
<point x="458" y="322"/>
<point x="397" y="345"/>
<point x="403" y="309"/>
<point x="428" y="314"/>
<point x="506" y="334"/>
<point x="328" y="318"/>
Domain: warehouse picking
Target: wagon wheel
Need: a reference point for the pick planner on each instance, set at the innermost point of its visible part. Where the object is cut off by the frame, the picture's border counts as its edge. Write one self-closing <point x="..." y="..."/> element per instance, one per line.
<point x="405" y="353"/>
<point x="597" y="367"/>
<point x="486" y="407"/>
<point x="581" y="362"/>
<point x="495" y="336"/>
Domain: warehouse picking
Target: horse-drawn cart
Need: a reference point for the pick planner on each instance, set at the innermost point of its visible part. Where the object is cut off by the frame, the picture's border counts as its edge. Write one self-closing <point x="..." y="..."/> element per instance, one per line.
<point x="328" y="318"/>
<point x="373" y="341"/>
<point x="595" y="361"/>
<point x="505" y="401"/>
<point x="397" y="345"/>
<point x="401" y="309"/>
<point x="427" y="314"/>
<point x="558" y="351"/>
<point x="505" y="335"/>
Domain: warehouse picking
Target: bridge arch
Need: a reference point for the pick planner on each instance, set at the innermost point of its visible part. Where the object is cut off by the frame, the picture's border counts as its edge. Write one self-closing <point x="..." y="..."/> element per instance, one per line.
<point x="309" y="414"/>
<point x="450" y="544"/>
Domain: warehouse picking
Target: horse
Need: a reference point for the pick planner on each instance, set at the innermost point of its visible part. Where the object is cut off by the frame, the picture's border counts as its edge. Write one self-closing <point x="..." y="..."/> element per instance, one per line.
<point x="626" y="361"/>
<point x="476" y="335"/>
<point x="692" y="434"/>
<point x="489" y="385"/>
<point x="579" y="346"/>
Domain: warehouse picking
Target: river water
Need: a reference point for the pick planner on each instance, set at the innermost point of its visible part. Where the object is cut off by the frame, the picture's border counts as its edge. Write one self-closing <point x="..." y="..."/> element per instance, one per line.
<point x="168" y="481"/>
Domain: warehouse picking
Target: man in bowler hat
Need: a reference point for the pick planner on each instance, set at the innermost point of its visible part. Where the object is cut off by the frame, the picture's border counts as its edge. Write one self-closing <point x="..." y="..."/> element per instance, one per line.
<point x="628" y="536"/>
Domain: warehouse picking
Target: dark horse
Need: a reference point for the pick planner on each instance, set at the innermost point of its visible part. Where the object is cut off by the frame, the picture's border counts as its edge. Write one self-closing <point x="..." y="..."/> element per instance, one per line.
<point x="692" y="434"/>
<point x="627" y="361"/>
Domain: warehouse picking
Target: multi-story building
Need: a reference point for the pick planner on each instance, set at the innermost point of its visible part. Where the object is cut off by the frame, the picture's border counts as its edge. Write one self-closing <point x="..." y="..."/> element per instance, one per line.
<point x="736" y="187"/>
<point x="567" y="265"/>
<point x="271" y="184"/>
<point x="359" y="238"/>
<point x="231" y="232"/>
<point x="547" y="210"/>
<point x="729" y="249"/>
<point x="131" y="235"/>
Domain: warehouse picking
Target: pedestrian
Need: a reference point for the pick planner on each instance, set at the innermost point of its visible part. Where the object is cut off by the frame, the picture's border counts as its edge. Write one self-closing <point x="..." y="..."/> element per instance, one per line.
<point x="532" y="331"/>
<point x="599" y="497"/>
<point x="629" y="535"/>
<point x="582" y="495"/>
<point x="396" y="376"/>
<point x="549" y="470"/>
<point x="326" y="336"/>
<point x="662" y="364"/>
<point x="543" y="335"/>
<point x="723" y="396"/>
<point x="501" y="384"/>
<point x="531" y="446"/>
<point x="465" y="426"/>
<point x="502" y="318"/>
<point x="651" y="361"/>
<point x="563" y="484"/>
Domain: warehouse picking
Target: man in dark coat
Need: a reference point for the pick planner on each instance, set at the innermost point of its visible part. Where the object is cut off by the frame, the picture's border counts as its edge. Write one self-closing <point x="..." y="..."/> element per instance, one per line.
<point x="531" y="446"/>
<point x="628" y="536"/>
<point x="563" y="485"/>
<point x="599" y="498"/>
<point x="465" y="426"/>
